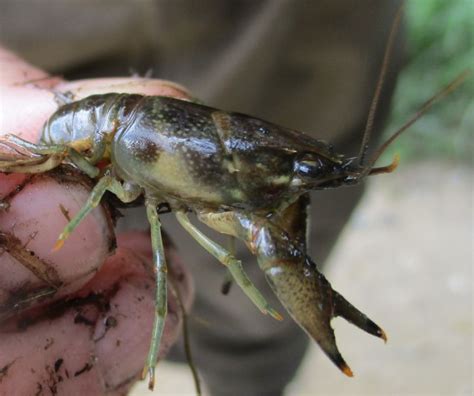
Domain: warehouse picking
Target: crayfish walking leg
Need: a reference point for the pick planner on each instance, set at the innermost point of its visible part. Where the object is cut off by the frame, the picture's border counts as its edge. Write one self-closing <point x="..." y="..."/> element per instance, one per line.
<point x="161" y="298"/>
<point x="234" y="266"/>
<point x="21" y="156"/>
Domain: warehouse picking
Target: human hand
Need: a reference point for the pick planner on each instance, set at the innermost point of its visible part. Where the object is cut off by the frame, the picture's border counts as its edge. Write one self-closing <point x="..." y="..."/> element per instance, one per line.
<point x="91" y="336"/>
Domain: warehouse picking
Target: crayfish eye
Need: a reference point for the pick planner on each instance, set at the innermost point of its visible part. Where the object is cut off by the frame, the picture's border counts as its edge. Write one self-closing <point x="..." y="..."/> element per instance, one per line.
<point x="308" y="166"/>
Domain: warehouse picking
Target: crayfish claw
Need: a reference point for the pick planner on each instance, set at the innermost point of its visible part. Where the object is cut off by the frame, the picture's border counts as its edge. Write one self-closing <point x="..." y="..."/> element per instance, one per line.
<point x="345" y="309"/>
<point x="295" y="279"/>
<point x="346" y="370"/>
<point x="327" y="342"/>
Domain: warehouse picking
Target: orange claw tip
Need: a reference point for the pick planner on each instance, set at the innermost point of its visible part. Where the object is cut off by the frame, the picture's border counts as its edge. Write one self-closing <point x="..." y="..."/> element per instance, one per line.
<point x="338" y="360"/>
<point x="383" y="335"/>
<point x="346" y="370"/>
<point x="58" y="245"/>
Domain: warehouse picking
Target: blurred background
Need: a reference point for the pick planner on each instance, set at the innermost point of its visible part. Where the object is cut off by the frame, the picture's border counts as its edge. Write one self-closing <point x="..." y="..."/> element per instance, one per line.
<point x="406" y="257"/>
<point x="440" y="45"/>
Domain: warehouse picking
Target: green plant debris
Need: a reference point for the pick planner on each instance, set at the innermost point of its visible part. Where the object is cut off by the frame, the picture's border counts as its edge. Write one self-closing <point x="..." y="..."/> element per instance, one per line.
<point x="440" y="45"/>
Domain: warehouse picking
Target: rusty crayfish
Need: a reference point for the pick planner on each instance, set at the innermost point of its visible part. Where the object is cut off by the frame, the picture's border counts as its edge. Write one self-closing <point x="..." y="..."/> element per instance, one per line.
<point x="240" y="175"/>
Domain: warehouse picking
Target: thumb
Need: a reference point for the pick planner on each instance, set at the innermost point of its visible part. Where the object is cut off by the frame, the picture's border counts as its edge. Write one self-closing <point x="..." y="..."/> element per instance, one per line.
<point x="25" y="99"/>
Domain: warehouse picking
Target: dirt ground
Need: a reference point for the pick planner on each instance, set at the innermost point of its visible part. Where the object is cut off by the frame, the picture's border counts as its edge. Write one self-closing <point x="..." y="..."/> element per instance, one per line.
<point x="406" y="260"/>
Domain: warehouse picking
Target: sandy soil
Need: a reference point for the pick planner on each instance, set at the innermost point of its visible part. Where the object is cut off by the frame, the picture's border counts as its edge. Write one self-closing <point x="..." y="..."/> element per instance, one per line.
<point x="406" y="260"/>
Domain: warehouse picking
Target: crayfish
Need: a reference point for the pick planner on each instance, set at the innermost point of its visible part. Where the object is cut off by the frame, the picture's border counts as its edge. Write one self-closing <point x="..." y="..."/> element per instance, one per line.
<point x="242" y="176"/>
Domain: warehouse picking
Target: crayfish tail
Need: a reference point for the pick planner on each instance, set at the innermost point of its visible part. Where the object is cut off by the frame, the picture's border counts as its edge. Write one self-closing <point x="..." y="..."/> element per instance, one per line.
<point x="345" y="309"/>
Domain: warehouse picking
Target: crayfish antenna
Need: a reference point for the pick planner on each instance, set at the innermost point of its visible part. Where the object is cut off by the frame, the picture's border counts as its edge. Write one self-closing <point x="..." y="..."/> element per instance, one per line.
<point x="378" y="89"/>
<point x="345" y="309"/>
<point x="423" y="109"/>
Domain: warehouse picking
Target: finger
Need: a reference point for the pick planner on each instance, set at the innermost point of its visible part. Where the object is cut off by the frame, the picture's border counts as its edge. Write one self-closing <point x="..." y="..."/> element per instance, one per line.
<point x="27" y="97"/>
<point x="123" y="349"/>
<point x="17" y="72"/>
<point x="111" y="319"/>
<point x="144" y="86"/>
<point x="24" y="110"/>
<point x="37" y="213"/>
<point x="24" y="106"/>
<point x="8" y="183"/>
<point x="139" y="241"/>
<point x="63" y="202"/>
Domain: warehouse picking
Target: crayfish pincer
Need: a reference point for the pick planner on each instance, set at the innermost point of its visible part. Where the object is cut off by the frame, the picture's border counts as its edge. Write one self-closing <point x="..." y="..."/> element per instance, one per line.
<point x="242" y="176"/>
